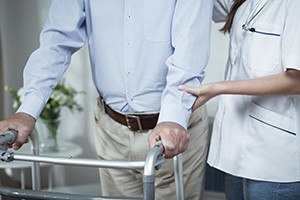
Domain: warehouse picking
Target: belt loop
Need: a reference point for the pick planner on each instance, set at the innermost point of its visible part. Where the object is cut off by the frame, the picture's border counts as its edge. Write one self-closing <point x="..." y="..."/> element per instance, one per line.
<point x="101" y="102"/>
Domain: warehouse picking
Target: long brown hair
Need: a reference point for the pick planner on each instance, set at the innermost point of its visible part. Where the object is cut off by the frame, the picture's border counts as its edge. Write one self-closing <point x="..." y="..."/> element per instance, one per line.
<point x="227" y="26"/>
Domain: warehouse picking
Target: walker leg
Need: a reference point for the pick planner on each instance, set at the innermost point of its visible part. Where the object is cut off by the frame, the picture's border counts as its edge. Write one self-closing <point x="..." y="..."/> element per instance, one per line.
<point x="22" y="177"/>
<point x="149" y="188"/>
<point x="178" y="169"/>
<point x="35" y="169"/>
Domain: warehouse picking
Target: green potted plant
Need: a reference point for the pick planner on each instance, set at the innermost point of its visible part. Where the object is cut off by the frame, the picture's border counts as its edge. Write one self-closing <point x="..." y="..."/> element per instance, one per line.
<point x="62" y="96"/>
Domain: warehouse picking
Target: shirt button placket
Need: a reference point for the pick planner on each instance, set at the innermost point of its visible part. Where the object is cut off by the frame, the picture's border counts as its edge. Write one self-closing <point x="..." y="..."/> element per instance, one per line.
<point x="128" y="45"/>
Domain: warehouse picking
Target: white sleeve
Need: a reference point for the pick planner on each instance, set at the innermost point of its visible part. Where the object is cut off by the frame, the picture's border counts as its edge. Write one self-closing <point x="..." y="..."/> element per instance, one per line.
<point x="63" y="34"/>
<point x="191" y="42"/>
<point x="291" y="37"/>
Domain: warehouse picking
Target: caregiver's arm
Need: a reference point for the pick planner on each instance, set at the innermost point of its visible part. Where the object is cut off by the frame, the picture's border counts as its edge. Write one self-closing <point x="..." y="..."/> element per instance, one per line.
<point x="285" y="83"/>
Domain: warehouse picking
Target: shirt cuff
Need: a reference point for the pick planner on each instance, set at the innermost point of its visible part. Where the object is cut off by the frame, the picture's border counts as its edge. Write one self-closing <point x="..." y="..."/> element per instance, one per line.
<point x="32" y="105"/>
<point x="173" y="112"/>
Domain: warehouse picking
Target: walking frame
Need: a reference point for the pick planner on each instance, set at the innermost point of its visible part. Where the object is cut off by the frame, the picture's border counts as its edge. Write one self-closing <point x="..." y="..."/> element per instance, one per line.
<point x="152" y="163"/>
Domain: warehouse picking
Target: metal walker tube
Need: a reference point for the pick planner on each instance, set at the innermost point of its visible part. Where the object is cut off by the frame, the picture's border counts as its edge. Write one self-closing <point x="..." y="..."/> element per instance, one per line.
<point x="178" y="168"/>
<point x="153" y="161"/>
<point x="35" y="169"/>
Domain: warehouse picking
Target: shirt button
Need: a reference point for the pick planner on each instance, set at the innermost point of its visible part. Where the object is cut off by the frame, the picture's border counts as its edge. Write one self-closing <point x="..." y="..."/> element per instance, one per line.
<point x="128" y="73"/>
<point x="128" y="16"/>
<point x="129" y="44"/>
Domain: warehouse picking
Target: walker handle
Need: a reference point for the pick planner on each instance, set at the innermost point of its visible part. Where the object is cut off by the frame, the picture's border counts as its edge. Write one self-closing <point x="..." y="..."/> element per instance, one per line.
<point x="7" y="138"/>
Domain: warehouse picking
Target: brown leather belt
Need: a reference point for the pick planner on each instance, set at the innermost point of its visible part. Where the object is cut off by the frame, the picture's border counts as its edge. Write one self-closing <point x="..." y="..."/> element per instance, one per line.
<point x="135" y="122"/>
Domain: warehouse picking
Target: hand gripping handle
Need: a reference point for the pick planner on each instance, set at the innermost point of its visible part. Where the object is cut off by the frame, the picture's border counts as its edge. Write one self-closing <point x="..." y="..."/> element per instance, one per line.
<point x="7" y="138"/>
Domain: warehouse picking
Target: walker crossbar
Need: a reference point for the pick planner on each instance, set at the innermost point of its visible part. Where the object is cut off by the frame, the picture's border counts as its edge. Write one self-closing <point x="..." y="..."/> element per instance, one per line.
<point x="9" y="156"/>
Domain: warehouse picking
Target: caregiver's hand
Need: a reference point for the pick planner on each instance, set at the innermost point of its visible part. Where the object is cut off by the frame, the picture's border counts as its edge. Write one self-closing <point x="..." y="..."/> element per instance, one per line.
<point x="204" y="93"/>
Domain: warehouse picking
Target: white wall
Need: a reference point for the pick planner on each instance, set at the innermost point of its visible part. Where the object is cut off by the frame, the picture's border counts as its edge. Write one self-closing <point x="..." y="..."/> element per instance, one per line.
<point x="20" y="24"/>
<point x="216" y="65"/>
<point x="16" y="41"/>
<point x="1" y="82"/>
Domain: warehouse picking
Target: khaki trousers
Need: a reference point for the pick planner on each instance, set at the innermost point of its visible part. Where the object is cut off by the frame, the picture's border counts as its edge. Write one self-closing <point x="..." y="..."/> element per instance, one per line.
<point x="116" y="142"/>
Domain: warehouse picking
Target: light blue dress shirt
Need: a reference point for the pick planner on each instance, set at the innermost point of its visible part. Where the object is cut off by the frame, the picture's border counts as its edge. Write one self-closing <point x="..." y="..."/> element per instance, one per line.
<point x="140" y="51"/>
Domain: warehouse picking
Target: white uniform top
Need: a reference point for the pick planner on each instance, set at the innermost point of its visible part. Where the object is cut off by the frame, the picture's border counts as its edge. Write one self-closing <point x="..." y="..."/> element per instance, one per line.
<point x="259" y="137"/>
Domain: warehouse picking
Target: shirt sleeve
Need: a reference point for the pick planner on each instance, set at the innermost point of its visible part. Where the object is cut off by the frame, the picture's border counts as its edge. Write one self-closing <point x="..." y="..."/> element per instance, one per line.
<point x="221" y="10"/>
<point x="291" y="37"/>
<point x="63" y="34"/>
<point x="190" y="39"/>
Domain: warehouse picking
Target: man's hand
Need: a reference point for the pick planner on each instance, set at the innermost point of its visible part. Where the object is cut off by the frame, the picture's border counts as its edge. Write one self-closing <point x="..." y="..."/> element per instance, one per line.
<point x="173" y="136"/>
<point x="20" y="122"/>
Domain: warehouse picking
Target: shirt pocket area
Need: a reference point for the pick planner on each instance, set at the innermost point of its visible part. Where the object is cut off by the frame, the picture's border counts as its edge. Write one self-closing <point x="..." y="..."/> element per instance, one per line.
<point x="271" y="137"/>
<point x="263" y="118"/>
<point x="270" y="143"/>
<point x="157" y="19"/>
<point x="262" y="49"/>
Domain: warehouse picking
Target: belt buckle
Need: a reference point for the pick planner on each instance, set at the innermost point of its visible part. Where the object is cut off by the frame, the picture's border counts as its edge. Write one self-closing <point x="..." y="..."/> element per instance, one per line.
<point x="135" y="117"/>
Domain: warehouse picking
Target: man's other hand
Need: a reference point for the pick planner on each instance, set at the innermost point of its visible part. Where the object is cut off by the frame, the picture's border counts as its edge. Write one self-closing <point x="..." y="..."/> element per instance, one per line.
<point x="22" y="123"/>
